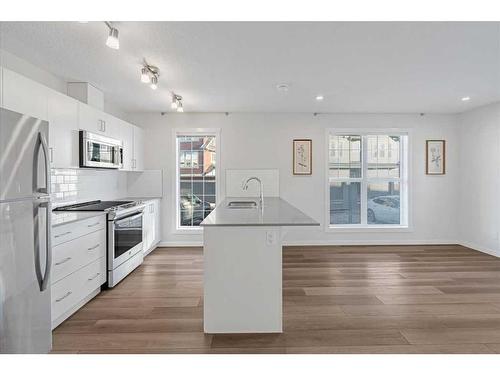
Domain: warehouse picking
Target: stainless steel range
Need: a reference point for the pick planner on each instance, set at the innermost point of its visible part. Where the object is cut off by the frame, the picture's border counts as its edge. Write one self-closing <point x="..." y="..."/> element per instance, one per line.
<point x="125" y="234"/>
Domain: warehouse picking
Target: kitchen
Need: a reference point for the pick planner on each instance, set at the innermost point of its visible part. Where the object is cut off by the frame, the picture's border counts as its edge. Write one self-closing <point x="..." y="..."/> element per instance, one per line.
<point x="163" y="191"/>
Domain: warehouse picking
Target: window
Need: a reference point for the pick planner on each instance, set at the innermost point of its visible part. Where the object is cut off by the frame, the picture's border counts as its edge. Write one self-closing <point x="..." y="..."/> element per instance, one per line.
<point x="367" y="179"/>
<point x="196" y="178"/>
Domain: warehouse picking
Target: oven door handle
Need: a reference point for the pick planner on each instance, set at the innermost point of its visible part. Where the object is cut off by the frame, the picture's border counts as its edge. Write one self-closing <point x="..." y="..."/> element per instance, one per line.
<point x="129" y="217"/>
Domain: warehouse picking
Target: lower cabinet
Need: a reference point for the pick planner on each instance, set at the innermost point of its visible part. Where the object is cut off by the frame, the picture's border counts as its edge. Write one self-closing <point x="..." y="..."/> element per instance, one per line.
<point x="152" y="227"/>
<point x="78" y="270"/>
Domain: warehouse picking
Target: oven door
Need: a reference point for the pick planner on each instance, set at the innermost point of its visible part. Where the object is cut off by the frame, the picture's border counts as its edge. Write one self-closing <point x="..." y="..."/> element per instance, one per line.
<point x="125" y="239"/>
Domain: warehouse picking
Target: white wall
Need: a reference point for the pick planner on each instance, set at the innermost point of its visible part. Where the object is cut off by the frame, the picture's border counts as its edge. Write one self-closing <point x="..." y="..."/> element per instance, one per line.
<point x="480" y="178"/>
<point x="265" y="141"/>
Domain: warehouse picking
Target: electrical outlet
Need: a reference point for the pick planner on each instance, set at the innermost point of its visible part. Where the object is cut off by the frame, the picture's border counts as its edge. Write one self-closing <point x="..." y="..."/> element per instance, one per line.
<point x="271" y="237"/>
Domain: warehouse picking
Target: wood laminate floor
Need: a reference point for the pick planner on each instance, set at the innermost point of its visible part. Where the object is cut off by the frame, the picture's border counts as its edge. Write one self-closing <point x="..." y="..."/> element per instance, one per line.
<point x="337" y="299"/>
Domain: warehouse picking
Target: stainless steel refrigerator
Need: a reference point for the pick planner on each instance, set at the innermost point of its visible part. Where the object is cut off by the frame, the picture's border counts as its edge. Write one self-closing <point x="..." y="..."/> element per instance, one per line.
<point x="25" y="251"/>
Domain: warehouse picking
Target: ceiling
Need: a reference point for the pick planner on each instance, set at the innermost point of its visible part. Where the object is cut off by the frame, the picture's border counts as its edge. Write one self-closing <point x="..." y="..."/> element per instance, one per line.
<point x="374" y="67"/>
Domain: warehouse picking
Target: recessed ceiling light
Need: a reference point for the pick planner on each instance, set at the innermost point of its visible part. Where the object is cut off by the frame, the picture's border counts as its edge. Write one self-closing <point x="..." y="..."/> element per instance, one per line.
<point x="282" y="87"/>
<point x="466" y="98"/>
<point x="320" y="98"/>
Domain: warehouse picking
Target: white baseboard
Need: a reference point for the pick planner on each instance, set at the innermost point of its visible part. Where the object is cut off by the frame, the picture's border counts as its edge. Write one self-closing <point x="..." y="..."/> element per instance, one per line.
<point x="326" y="243"/>
<point x="368" y="242"/>
<point x="180" y="244"/>
<point x="480" y="248"/>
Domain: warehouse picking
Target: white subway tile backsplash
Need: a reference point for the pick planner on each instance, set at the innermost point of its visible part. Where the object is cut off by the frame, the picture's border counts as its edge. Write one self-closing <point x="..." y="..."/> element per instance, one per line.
<point x="80" y="185"/>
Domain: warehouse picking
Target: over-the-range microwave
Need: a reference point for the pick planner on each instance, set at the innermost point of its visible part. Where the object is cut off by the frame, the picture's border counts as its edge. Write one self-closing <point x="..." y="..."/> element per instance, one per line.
<point x="98" y="151"/>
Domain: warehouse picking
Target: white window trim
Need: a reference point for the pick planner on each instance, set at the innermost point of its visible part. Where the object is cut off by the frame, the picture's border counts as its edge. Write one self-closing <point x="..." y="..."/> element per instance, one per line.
<point x="406" y="175"/>
<point x="176" y="186"/>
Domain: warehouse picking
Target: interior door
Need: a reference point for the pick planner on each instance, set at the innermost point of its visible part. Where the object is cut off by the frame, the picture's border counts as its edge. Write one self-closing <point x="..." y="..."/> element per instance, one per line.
<point x="25" y="321"/>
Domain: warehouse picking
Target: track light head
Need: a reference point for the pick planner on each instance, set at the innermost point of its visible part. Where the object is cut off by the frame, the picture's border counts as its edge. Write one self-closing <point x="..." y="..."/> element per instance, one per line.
<point x="175" y="102"/>
<point x="113" y="41"/>
<point x="154" y="82"/>
<point x="144" y="75"/>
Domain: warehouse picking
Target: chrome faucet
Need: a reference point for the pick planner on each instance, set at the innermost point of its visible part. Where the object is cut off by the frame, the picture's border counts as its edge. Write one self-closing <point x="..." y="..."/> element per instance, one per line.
<point x="245" y="187"/>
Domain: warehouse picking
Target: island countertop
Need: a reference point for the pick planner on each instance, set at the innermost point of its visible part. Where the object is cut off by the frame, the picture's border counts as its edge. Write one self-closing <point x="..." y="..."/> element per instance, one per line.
<point x="276" y="212"/>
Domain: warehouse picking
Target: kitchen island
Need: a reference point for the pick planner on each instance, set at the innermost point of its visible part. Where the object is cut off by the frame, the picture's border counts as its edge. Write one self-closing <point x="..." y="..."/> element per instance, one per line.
<point x="242" y="252"/>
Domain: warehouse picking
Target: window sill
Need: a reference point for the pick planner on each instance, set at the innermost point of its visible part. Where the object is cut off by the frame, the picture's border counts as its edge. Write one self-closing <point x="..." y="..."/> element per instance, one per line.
<point x="369" y="229"/>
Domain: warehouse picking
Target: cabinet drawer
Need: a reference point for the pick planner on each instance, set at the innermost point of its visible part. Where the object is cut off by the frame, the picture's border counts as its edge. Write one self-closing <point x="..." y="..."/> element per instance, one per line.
<point x="67" y="232"/>
<point x="73" y="255"/>
<point x="67" y="292"/>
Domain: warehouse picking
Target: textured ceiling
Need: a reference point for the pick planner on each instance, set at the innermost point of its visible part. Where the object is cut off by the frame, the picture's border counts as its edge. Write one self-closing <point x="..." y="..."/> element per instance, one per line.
<point x="358" y="67"/>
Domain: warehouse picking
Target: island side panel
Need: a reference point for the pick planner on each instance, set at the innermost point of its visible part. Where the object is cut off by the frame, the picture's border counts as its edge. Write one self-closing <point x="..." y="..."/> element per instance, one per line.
<point x="242" y="279"/>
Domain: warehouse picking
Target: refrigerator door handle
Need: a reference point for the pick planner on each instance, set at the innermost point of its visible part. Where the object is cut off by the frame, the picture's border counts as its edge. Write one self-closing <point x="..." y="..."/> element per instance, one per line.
<point x="43" y="280"/>
<point x="48" y="246"/>
<point x="36" y="236"/>
<point x="41" y="141"/>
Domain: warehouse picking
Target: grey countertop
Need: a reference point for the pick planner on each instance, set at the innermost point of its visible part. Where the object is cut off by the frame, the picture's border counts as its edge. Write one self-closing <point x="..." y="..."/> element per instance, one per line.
<point x="65" y="217"/>
<point x="276" y="212"/>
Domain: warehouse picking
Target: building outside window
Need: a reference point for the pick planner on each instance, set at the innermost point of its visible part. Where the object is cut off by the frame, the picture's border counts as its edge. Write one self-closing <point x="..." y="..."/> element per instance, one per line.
<point x="367" y="179"/>
<point x="196" y="178"/>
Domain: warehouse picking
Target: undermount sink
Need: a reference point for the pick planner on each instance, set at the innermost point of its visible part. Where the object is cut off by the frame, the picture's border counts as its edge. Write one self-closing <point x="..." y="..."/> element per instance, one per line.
<point x="242" y="204"/>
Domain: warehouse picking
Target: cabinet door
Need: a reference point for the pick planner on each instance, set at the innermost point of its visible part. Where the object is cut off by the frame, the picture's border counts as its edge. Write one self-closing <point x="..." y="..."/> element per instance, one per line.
<point x="63" y="130"/>
<point x="157" y="221"/>
<point x="148" y="228"/>
<point x="113" y="126"/>
<point x="91" y="119"/>
<point x="22" y="95"/>
<point x="138" y="149"/>
<point x="127" y="136"/>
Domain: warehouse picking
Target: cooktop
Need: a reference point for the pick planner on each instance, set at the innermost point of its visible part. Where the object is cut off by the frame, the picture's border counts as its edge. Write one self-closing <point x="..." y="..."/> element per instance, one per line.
<point x="96" y="206"/>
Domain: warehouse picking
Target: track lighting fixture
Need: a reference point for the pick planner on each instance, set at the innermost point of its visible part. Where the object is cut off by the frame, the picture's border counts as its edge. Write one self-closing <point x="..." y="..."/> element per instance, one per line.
<point x="112" y="41"/>
<point x="150" y="74"/>
<point x="176" y="101"/>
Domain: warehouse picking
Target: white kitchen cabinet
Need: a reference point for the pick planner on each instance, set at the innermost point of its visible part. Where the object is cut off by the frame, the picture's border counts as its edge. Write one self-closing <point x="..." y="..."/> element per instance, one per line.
<point x="113" y="126"/>
<point x="97" y="121"/>
<point x="138" y="160"/>
<point x="23" y="95"/>
<point x="63" y="130"/>
<point x="78" y="265"/>
<point x="127" y="137"/>
<point x="151" y="222"/>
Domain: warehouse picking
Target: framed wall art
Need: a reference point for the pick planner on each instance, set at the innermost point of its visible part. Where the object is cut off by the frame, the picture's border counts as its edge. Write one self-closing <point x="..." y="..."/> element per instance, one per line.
<point x="302" y="157"/>
<point x="435" y="157"/>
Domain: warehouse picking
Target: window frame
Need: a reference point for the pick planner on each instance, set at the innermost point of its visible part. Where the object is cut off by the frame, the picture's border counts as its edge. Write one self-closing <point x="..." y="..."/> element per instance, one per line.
<point x="216" y="132"/>
<point x="406" y="222"/>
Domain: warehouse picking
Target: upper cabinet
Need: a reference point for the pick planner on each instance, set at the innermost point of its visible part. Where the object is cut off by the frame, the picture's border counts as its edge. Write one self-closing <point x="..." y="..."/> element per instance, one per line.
<point x="127" y="137"/>
<point x="66" y="116"/>
<point x="138" y="161"/>
<point x="22" y="95"/>
<point x="97" y="121"/>
<point x="63" y="130"/>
